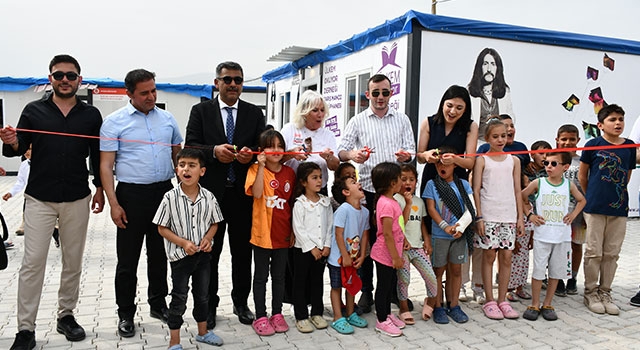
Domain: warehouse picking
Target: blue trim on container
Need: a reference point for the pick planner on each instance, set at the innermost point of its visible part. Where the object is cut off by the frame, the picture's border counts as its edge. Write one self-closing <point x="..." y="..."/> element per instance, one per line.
<point x="403" y="25"/>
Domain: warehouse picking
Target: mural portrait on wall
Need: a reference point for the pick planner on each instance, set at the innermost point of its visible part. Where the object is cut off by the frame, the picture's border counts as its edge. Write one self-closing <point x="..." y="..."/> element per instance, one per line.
<point x="490" y="93"/>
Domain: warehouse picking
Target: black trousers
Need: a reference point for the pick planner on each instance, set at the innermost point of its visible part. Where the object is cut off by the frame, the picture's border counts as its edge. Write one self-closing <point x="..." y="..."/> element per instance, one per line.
<point x="308" y="283"/>
<point x="236" y="209"/>
<point x="195" y="268"/>
<point x="140" y="203"/>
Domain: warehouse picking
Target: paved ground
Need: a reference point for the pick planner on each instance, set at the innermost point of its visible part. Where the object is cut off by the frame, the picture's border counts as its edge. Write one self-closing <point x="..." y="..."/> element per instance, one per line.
<point x="577" y="328"/>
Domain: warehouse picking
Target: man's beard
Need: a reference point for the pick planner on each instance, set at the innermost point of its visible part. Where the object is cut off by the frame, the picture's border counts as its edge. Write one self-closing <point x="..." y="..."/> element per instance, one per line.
<point x="487" y="82"/>
<point x="60" y="94"/>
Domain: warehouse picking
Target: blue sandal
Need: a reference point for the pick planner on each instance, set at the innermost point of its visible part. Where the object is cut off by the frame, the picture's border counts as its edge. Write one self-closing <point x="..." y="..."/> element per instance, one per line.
<point x="209" y="338"/>
<point x="440" y="315"/>
<point x="357" y="321"/>
<point x="342" y="326"/>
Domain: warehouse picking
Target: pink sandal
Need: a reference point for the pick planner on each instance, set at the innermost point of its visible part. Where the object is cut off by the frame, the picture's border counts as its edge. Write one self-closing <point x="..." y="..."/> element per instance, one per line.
<point x="508" y="311"/>
<point x="492" y="311"/>
<point x="427" y="310"/>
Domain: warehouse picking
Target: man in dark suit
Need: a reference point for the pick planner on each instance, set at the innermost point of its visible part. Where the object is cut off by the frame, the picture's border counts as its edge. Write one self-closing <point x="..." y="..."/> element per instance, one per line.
<point x="227" y="129"/>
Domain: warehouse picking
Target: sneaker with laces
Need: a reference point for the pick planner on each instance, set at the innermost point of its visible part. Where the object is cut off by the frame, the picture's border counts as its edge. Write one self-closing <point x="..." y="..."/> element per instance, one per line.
<point x="478" y="294"/>
<point x="25" y="340"/>
<point x="278" y="323"/>
<point x="572" y="286"/>
<point x="387" y="327"/>
<point x="593" y="303"/>
<point x="609" y="306"/>
<point x="635" y="300"/>
<point x="396" y="321"/>
<point x="560" y="289"/>
<point x="304" y="326"/>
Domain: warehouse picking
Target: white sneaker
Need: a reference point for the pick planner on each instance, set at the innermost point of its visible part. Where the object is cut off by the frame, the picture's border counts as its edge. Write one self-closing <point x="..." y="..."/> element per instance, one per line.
<point x="478" y="294"/>
<point x="463" y="294"/>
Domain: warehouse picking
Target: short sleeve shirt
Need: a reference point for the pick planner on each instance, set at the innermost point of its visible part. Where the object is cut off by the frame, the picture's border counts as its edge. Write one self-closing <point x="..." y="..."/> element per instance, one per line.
<point x="609" y="171"/>
<point x="388" y="208"/>
<point x="354" y="222"/>
<point x="413" y="227"/>
<point x="271" y="221"/>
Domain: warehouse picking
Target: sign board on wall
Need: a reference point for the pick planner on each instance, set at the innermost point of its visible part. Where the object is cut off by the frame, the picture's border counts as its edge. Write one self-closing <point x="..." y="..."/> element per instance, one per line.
<point x="110" y="94"/>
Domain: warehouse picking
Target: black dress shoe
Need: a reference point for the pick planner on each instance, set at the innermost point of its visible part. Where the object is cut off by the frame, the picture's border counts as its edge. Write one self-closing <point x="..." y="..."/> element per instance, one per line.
<point x="70" y="328"/>
<point x="162" y="314"/>
<point x="126" y="328"/>
<point x="244" y="314"/>
<point x="25" y="340"/>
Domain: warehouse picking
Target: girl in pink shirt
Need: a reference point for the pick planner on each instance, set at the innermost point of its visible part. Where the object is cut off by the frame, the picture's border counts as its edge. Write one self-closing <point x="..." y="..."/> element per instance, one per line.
<point x="390" y="242"/>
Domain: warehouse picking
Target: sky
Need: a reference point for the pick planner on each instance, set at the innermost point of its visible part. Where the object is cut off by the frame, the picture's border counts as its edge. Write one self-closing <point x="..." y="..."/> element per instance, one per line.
<point x="182" y="42"/>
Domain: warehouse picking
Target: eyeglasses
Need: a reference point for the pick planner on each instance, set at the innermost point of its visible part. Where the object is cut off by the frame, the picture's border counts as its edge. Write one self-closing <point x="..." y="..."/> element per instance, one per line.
<point x="71" y="76"/>
<point x="227" y="79"/>
<point x="553" y="163"/>
<point x="376" y="93"/>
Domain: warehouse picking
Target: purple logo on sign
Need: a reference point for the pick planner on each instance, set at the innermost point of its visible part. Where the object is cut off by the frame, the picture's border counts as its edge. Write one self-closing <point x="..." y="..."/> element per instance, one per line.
<point x="332" y="124"/>
<point x="389" y="57"/>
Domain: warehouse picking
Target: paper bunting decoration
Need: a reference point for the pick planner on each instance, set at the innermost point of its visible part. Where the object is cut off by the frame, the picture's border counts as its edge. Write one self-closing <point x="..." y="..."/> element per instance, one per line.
<point x="592" y="73"/>
<point x="570" y="102"/>
<point x="595" y="95"/>
<point x="590" y="130"/>
<point x="608" y="62"/>
<point x="597" y="106"/>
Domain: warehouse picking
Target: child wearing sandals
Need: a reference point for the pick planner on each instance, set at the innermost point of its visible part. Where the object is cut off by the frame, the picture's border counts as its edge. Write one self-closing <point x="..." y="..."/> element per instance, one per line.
<point x="552" y="233"/>
<point x="496" y="190"/>
<point x="271" y="185"/>
<point x="413" y="210"/>
<point x="450" y="206"/>
<point x="349" y="242"/>
<point x="389" y="245"/>
<point x="189" y="206"/>
<point x="312" y="226"/>
<point x="520" y="256"/>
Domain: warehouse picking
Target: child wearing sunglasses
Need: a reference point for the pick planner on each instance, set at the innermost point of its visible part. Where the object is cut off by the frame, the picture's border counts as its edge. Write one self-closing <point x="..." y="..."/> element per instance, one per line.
<point x="552" y="231"/>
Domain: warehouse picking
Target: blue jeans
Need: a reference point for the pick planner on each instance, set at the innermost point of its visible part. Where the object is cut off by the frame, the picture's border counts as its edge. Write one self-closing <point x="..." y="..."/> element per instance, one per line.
<point x="198" y="269"/>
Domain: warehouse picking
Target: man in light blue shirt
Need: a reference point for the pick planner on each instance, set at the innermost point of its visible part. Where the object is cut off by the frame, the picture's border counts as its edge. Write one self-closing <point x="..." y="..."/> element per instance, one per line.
<point x="142" y="141"/>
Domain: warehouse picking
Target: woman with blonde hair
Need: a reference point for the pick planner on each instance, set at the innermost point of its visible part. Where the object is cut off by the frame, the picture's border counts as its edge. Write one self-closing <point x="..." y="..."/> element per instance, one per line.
<point x="306" y="133"/>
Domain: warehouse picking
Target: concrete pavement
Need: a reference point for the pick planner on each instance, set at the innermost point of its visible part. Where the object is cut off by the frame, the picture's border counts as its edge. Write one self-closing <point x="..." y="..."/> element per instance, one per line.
<point x="576" y="328"/>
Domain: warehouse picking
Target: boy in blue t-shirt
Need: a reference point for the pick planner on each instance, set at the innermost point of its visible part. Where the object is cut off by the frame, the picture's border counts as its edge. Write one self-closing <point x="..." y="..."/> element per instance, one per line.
<point x="348" y="249"/>
<point x="604" y="175"/>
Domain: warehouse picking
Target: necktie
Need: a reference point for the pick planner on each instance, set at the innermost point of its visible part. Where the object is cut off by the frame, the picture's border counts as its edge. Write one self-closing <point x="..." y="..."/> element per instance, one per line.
<point x="231" y="175"/>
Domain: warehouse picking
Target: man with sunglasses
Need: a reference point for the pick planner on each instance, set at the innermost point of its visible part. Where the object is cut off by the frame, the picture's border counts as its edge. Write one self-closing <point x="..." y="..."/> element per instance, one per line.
<point x="227" y="130"/>
<point x="144" y="173"/>
<point x="377" y="134"/>
<point x="57" y="189"/>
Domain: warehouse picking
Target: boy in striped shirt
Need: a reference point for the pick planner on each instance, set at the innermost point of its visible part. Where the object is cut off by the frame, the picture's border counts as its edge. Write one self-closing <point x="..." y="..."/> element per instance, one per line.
<point x="188" y="219"/>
